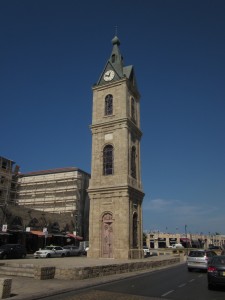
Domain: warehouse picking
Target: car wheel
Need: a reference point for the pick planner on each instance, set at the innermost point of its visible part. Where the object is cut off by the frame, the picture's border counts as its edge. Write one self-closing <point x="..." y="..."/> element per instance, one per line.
<point x="4" y="256"/>
<point x="48" y="255"/>
<point x="63" y="255"/>
<point x="68" y="254"/>
<point x="23" y="255"/>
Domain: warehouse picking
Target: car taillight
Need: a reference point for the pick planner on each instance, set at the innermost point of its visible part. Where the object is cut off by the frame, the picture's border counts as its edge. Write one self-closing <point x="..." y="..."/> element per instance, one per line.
<point x="212" y="269"/>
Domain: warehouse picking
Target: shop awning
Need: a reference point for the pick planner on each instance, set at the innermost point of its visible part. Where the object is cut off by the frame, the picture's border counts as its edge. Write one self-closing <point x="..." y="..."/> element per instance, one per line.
<point x="39" y="233"/>
<point x="185" y="240"/>
<point x="76" y="237"/>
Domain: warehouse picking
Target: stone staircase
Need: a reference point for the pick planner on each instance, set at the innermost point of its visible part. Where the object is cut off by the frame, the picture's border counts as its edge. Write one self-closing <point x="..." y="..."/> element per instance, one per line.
<point x="15" y="269"/>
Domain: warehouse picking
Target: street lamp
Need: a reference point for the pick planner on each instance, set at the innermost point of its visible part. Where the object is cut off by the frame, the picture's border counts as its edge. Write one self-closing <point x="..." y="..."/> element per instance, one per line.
<point x="186" y="239"/>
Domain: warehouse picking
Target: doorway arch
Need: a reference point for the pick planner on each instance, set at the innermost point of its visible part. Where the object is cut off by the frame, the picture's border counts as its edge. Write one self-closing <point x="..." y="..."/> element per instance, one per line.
<point x="107" y="235"/>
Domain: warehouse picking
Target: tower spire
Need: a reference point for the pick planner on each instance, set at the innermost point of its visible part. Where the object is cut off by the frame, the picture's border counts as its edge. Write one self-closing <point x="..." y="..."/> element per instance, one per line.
<point x="116" y="59"/>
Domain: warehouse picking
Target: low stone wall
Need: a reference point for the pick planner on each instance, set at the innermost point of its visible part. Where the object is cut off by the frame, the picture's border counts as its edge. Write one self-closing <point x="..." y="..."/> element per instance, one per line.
<point x="44" y="273"/>
<point x="99" y="271"/>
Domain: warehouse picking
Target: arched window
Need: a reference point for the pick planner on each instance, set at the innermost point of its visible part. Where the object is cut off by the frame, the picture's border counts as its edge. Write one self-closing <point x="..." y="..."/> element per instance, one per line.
<point x="108" y="105"/>
<point x="108" y="160"/>
<point x="133" y="162"/>
<point x="133" y="109"/>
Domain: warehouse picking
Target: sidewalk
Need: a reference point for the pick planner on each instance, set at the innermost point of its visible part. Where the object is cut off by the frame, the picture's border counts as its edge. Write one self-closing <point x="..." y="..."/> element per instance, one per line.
<point x="31" y="289"/>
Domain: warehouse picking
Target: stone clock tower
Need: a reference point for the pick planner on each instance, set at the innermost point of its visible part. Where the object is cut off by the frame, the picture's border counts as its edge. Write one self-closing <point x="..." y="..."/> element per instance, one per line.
<point x="115" y="190"/>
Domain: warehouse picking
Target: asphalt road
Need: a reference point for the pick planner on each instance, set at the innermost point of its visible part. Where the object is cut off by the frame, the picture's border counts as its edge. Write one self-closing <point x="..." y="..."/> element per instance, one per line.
<point x="171" y="283"/>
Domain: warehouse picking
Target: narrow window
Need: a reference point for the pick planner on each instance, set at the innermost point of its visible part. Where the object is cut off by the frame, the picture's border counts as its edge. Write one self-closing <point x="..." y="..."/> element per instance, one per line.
<point x="4" y="164"/>
<point x="135" y="226"/>
<point x="133" y="109"/>
<point x="108" y="160"/>
<point x="133" y="162"/>
<point x="113" y="58"/>
<point x="108" y="105"/>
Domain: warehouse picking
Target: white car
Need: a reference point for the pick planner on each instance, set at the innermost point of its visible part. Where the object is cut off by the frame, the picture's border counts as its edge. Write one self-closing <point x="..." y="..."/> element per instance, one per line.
<point x="199" y="258"/>
<point x="50" y="251"/>
<point x="146" y="251"/>
<point x="176" y="246"/>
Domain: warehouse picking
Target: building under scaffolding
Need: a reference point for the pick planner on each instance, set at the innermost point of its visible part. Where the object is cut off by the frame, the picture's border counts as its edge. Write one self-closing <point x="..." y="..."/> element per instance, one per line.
<point x="61" y="190"/>
<point x="8" y="181"/>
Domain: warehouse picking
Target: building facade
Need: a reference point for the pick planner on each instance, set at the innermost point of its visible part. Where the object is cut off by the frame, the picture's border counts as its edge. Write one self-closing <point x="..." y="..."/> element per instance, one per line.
<point x="8" y="181"/>
<point x="157" y="240"/>
<point x="115" y="190"/>
<point x="59" y="191"/>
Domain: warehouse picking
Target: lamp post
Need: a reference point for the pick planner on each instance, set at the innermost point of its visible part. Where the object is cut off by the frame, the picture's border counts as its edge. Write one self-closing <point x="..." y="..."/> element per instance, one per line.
<point x="185" y="228"/>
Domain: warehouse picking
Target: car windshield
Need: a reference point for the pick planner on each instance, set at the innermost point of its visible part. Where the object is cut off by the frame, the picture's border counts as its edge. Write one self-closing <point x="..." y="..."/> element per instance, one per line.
<point x="49" y="248"/>
<point x="197" y="254"/>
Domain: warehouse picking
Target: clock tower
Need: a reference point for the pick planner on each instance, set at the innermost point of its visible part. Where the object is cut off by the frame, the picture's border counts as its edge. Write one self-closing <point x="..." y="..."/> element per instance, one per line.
<point x="115" y="190"/>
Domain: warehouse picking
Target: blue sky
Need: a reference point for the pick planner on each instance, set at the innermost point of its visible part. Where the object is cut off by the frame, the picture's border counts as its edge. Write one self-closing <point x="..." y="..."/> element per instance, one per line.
<point x="51" y="54"/>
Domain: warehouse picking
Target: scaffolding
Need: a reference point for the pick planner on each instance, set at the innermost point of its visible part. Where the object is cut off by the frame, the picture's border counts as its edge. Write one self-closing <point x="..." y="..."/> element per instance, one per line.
<point x="56" y="191"/>
<point x="8" y="185"/>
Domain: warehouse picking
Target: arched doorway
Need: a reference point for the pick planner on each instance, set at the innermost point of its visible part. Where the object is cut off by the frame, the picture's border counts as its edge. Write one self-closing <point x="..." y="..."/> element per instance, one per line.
<point x="107" y="236"/>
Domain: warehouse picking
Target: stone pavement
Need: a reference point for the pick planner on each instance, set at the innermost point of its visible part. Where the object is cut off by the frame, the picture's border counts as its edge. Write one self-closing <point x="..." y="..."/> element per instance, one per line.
<point x="25" y="288"/>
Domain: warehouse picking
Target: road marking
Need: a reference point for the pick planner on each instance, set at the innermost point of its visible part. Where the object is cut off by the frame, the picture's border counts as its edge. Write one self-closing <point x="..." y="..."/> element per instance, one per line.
<point x="191" y="280"/>
<point x="167" y="293"/>
<point x="181" y="285"/>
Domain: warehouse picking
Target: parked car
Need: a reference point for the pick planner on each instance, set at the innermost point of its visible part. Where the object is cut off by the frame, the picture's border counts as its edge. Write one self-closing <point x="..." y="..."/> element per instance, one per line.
<point x="198" y="259"/>
<point x="146" y="251"/>
<point x="12" y="251"/>
<point x="72" y="250"/>
<point x="176" y="246"/>
<point x="50" y="251"/>
<point x="216" y="272"/>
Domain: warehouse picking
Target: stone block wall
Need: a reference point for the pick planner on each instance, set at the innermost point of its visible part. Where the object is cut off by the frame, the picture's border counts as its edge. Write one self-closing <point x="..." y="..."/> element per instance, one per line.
<point x="44" y="273"/>
<point x="5" y="287"/>
<point x="99" y="271"/>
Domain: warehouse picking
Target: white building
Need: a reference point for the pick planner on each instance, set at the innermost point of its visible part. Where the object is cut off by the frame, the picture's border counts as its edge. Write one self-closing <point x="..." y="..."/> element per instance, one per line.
<point x="57" y="191"/>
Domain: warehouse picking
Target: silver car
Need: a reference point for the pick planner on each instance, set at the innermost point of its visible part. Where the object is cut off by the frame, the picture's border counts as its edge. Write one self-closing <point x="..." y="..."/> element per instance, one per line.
<point x="72" y="251"/>
<point x="198" y="259"/>
<point x="50" y="251"/>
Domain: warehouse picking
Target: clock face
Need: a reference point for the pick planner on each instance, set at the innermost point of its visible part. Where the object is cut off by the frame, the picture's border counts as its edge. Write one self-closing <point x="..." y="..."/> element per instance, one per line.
<point x="109" y="75"/>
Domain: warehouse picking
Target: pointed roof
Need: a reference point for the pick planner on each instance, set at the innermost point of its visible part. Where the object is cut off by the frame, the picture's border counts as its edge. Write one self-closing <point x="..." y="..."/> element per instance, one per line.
<point x="115" y="63"/>
<point x="116" y="58"/>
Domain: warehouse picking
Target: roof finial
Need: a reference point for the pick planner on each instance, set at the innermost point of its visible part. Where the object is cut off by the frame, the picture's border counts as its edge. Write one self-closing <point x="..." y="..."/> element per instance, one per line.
<point x="116" y="30"/>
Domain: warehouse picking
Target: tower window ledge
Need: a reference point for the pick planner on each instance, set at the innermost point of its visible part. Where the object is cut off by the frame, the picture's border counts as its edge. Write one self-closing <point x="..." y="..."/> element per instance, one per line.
<point x="109" y="116"/>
